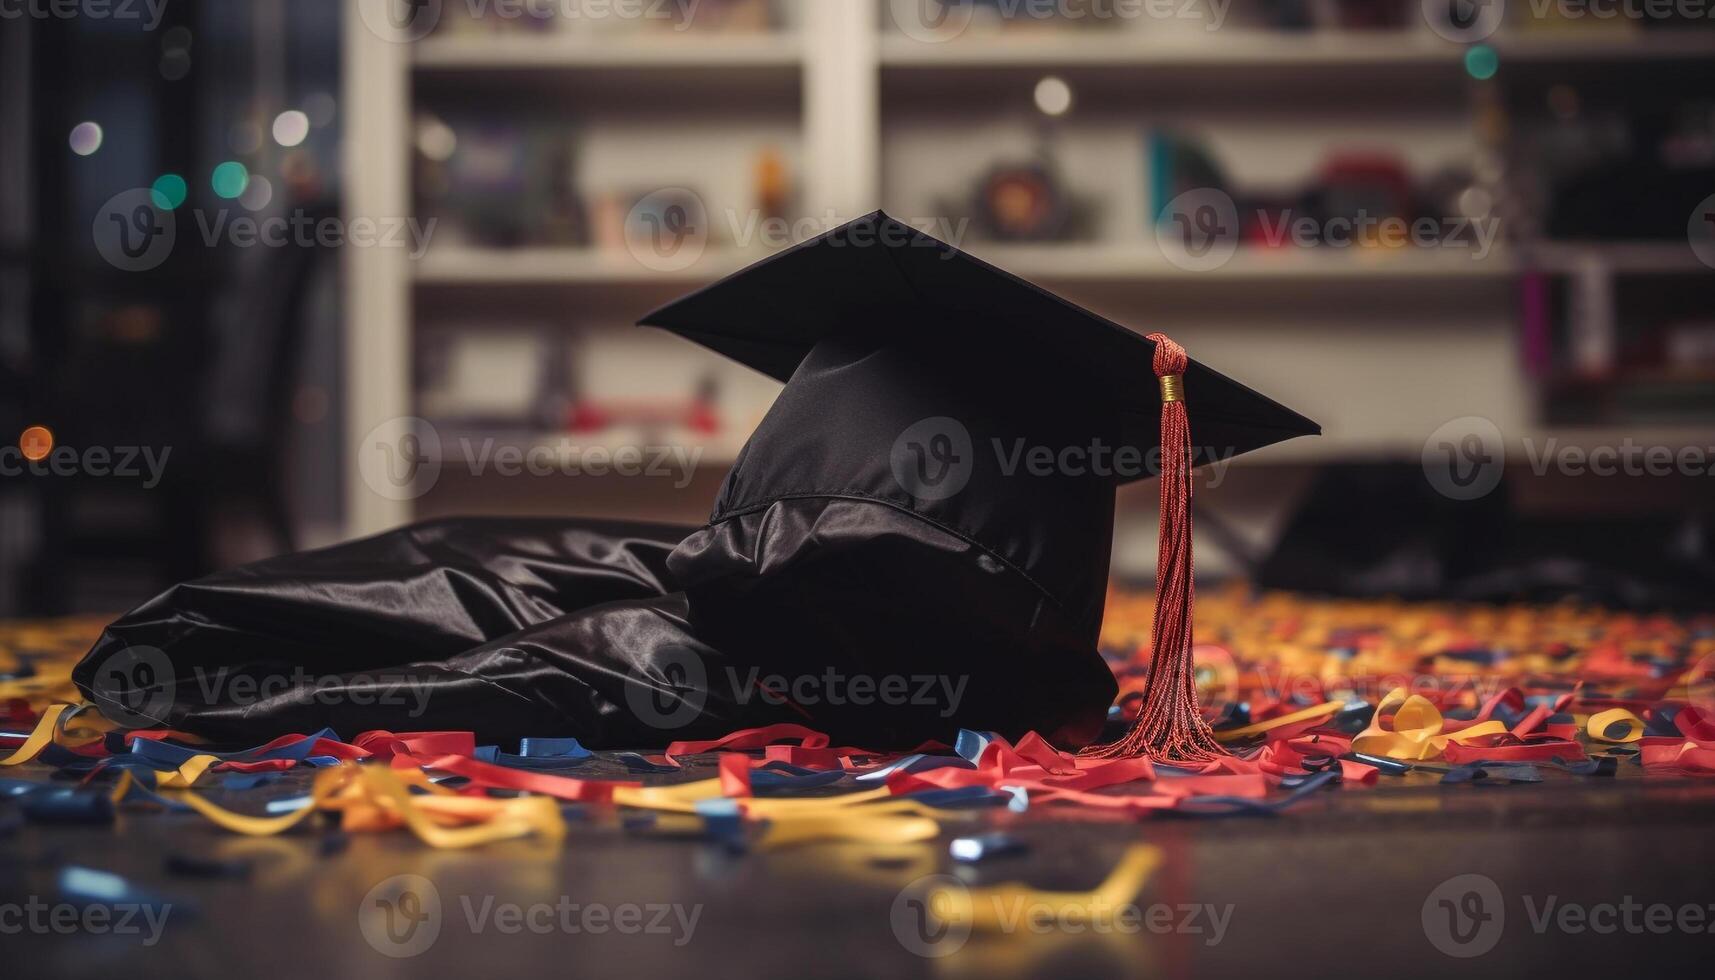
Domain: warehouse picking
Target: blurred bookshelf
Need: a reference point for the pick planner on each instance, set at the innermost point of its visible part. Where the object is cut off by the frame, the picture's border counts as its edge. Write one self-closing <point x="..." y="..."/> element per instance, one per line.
<point x="845" y="110"/>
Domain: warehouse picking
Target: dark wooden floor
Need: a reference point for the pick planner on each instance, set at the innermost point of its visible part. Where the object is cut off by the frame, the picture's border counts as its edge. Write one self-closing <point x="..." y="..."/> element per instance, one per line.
<point x="1340" y="885"/>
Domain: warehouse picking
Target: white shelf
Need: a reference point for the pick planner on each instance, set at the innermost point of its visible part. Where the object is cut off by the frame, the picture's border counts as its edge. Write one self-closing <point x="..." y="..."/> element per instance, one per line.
<point x="459" y="266"/>
<point x="1579" y="46"/>
<point x="1053" y="263"/>
<point x="1231" y="49"/>
<point x="1072" y="263"/>
<point x="1269" y="49"/>
<point x="568" y="51"/>
<point x="1623" y="258"/>
<point x="1146" y="263"/>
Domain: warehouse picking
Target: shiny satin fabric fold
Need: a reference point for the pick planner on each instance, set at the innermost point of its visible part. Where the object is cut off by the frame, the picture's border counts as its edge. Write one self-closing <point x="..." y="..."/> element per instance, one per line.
<point x="823" y="591"/>
<point x="531" y="628"/>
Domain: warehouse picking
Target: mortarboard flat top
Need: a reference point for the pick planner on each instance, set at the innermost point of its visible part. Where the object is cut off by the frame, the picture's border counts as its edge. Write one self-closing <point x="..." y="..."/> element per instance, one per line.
<point x="876" y="272"/>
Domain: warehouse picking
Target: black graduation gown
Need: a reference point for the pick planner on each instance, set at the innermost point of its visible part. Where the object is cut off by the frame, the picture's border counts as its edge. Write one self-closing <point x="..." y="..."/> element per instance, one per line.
<point x="820" y="593"/>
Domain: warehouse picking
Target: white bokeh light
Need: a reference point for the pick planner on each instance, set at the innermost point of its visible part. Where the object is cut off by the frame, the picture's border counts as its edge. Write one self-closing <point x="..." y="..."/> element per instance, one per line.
<point x="86" y="138"/>
<point x="291" y="127"/>
<point x="1053" y="95"/>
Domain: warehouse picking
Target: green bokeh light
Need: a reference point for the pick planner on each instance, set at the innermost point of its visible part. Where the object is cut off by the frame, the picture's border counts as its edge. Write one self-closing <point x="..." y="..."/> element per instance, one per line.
<point x="230" y="179"/>
<point x="1481" y="62"/>
<point x="169" y="191"/>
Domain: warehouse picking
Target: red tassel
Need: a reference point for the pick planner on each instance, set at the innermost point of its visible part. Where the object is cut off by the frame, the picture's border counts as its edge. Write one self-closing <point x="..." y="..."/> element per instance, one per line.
<point x="1170" y="727"/>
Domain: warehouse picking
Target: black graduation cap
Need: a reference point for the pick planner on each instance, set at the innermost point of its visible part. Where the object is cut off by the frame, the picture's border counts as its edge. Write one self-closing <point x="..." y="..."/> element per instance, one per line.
<point x="877" y="273"/>
<point x="932" y="397"/>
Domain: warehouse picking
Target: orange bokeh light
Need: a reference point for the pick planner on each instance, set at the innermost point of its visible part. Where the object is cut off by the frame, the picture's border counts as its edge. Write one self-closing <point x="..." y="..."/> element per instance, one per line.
<point x="36" y="442"/>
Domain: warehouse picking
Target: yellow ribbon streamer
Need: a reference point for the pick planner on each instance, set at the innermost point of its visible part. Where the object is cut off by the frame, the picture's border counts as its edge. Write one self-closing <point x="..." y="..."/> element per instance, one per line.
<point x="375" y="798"/>
<point x="1602" y="721"/>
<point x="1321" y="710"/>
<point x="850" y="826"/>
<point x="40" y="739"/>
<point x="998" y="907"/>
<point x="1416" y="734"/>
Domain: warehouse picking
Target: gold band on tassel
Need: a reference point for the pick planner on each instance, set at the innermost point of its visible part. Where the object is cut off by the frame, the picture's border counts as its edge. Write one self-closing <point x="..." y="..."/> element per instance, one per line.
<point x="1170" y="389"/>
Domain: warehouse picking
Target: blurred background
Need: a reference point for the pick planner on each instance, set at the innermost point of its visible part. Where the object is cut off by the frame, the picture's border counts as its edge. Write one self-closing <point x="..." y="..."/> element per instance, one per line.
<point x="274" y="274"/>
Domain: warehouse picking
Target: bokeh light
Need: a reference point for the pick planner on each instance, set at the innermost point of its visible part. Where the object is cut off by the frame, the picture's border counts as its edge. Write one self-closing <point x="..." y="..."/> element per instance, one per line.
<point x="321" y="108"/>
<point x="1481" y="62"/>
<point x="1053" y="95"/>
<point x="291" y="127"/>
<point x="169" y="191"/>
<point x="257" y="195"/>
<point x="230" y="179"/>
<point x="435" y="139"/>
<point x="86" y="138"/>
<point x="36" y="443"/>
